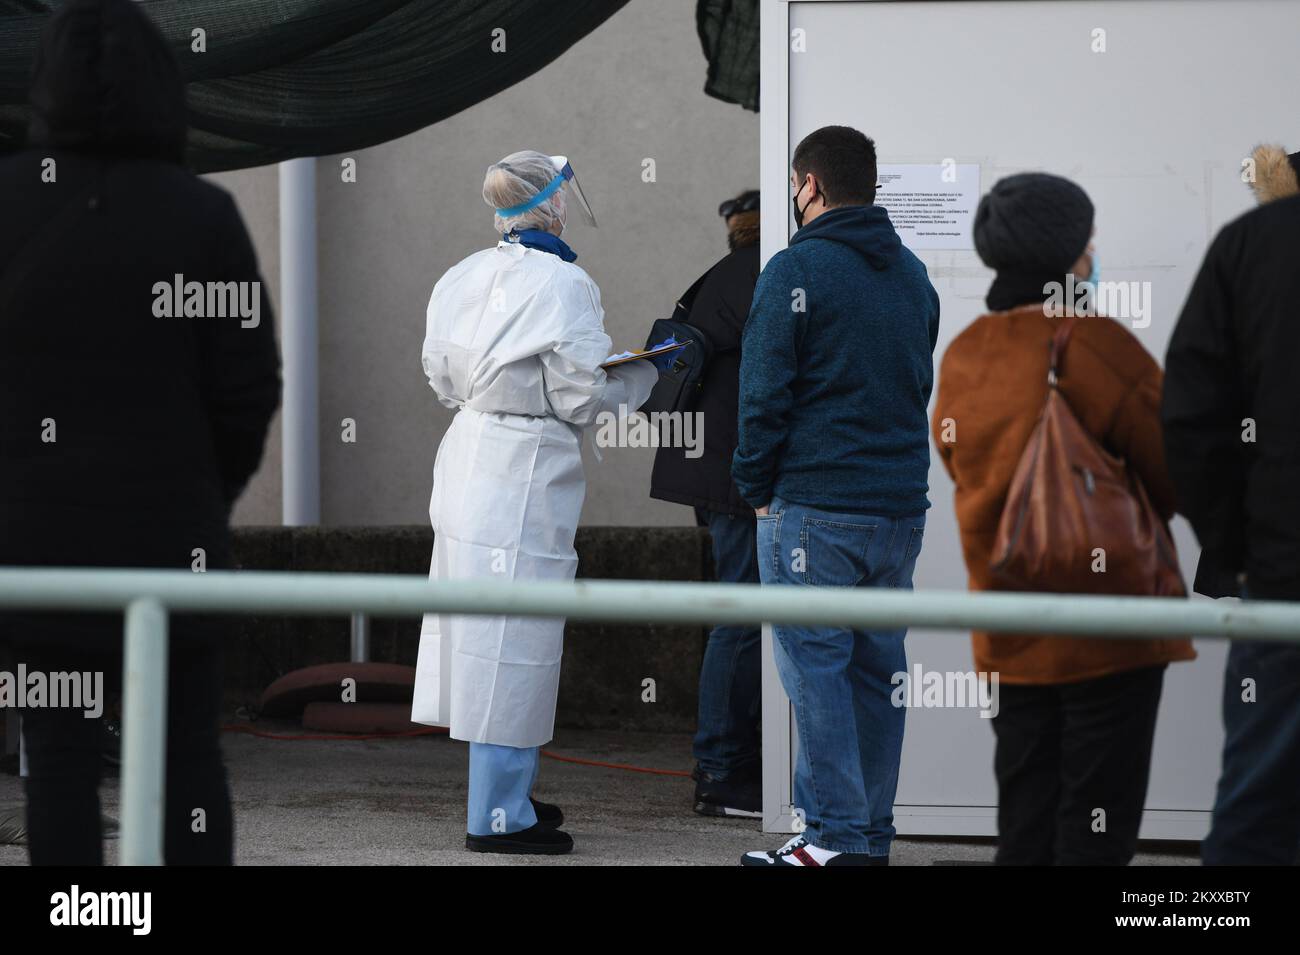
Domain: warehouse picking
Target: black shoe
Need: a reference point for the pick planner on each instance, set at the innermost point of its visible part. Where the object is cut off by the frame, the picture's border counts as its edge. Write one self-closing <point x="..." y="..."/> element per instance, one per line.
<point x="737" y="797"/>
<point x="547" y="815"/>
<point x="536" y="840"/>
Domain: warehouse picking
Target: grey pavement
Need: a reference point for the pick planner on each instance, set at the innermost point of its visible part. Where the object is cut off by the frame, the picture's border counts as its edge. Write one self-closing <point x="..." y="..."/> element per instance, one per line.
<point x="402" y="802"/>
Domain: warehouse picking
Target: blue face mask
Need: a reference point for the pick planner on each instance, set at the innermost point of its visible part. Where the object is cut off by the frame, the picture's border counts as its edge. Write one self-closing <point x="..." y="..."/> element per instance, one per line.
<point x="1087" y="288"/>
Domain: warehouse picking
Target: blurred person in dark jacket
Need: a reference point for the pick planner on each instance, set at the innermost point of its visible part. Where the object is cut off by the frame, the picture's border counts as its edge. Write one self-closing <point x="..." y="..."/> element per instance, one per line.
<point x="728" y="739"/>
<point x="131" y="416"/>
<point x="1232" y="437"/>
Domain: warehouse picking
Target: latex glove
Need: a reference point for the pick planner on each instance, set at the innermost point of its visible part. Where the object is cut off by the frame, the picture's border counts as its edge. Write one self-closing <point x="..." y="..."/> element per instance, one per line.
<point x="666" y="361"/>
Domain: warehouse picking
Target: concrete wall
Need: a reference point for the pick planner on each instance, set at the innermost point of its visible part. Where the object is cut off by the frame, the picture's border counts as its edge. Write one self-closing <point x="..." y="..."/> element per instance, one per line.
<point x="605" y="665"/>
<point x="630" y="91"/>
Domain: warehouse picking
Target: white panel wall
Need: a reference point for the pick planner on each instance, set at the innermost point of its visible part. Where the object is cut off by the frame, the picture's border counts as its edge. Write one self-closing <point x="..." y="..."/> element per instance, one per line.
<point x="1155" y="130"/>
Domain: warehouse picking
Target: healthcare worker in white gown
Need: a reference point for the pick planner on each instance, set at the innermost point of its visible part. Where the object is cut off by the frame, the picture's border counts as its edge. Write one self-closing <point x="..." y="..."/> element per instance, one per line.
<point x="514" y="340"/>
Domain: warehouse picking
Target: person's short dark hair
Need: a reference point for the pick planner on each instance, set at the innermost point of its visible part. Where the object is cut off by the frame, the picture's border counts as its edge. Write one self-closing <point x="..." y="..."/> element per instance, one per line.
<point x="844" y="162"/>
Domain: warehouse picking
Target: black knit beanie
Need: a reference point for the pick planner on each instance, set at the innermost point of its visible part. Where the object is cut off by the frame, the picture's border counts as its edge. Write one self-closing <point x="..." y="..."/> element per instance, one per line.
<point x="1033" y="223"/>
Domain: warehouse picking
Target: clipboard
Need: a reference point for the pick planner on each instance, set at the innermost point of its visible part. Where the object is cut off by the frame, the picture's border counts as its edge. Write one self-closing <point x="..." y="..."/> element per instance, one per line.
<point x="652" y="353"/>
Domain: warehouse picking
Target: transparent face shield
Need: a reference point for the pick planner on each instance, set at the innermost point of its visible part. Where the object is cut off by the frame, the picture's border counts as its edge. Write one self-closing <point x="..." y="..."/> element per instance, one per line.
<point x="565" y="173"/>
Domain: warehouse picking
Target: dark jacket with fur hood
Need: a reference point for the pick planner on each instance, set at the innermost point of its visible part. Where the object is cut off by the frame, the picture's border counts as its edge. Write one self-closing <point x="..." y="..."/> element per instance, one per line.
<point x="720" y="309"/>
<point x="1231" y="407"/>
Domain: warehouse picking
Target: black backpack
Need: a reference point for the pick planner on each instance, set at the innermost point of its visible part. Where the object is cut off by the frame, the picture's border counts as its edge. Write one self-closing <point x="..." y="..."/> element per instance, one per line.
<point x="679" y="388"/>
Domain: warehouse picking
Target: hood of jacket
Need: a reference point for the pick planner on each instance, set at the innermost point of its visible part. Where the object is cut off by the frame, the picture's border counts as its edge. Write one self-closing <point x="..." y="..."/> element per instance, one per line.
<point x="1277" y="175"/>
<point x="864" y="228"/>
<point x="105" y="83"/>
<point x="743" y="230"/>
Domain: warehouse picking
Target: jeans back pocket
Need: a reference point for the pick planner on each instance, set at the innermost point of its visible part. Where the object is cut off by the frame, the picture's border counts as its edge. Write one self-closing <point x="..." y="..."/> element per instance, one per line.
<point x="835" y="552"/>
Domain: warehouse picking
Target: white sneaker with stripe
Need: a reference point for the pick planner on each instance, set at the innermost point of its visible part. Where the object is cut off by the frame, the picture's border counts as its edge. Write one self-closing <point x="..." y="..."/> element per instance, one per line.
<point x="797" y="852"/>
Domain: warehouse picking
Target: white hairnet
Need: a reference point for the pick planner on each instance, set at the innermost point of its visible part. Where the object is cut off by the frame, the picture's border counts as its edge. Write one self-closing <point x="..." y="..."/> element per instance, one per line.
<point x="518" y="178"/>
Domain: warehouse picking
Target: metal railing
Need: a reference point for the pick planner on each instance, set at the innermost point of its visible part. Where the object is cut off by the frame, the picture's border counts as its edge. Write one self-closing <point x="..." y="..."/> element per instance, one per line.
<point x="147" y="597"/>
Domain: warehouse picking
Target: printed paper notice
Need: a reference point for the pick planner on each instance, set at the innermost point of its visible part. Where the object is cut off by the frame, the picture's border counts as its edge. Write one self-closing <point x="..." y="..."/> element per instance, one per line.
<point x="932" y="205"/>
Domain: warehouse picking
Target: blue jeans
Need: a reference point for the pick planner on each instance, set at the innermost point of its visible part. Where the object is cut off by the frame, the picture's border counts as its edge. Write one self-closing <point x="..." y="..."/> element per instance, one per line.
<point x="728" y="739"/>
<point x="840" y="681"/>
<point x="1257" y="808"/>
<point x="500" y="781"/>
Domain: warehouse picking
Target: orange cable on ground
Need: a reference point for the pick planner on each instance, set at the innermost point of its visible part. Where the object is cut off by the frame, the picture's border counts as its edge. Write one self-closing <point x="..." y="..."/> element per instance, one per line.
<point x="435" y="731"/>
<point x="262" y="734"/>
<point x="623" y="766"/>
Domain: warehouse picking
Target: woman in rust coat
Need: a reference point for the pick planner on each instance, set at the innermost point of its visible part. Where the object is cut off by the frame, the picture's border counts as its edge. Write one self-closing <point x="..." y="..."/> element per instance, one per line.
<point x="1076" y="715"/>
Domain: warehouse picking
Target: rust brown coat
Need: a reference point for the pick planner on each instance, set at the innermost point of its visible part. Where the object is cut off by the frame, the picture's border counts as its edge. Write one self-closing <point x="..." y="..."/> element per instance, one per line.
<point x="992" y="385"/>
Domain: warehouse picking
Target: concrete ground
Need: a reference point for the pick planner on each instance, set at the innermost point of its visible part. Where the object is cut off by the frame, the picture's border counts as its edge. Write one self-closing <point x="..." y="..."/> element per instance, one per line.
<point x="402" y="802"/>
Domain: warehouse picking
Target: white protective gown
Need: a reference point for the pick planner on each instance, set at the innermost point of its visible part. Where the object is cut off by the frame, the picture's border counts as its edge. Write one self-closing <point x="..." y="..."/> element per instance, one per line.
<point x="514" y="339"/>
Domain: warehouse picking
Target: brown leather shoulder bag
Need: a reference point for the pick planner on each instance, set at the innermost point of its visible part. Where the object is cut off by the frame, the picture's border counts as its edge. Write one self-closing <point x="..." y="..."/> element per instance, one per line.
<point x="1076" y="519"/>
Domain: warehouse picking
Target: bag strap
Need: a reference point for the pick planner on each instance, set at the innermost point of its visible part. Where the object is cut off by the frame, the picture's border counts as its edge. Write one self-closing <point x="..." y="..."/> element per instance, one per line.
<point x="684" y="304"/>
<point x="687" y="298"/>
<point x="1060" y="339"/>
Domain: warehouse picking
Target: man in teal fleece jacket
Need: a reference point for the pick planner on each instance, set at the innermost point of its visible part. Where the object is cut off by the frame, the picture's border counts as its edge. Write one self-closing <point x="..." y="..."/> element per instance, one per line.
<point x="834" y="453"/>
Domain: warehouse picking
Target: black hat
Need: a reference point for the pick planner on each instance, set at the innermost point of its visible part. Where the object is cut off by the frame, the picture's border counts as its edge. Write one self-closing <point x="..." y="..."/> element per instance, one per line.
<point x="747" y="201"/>
<point x="1033" y="222"/>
